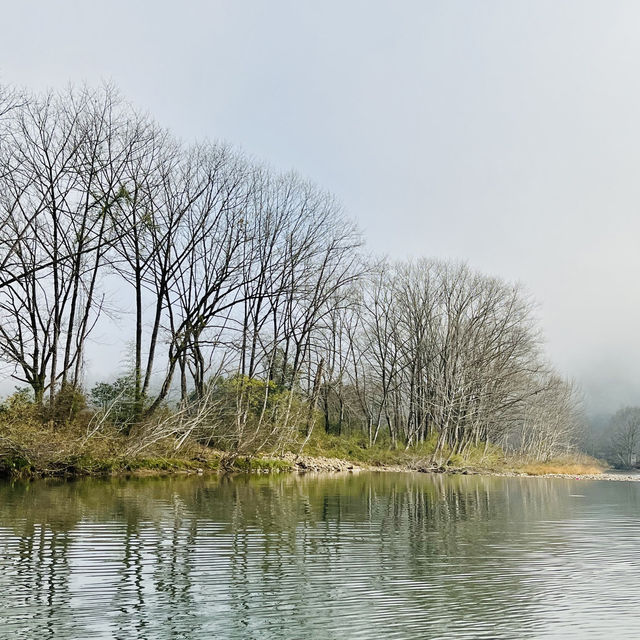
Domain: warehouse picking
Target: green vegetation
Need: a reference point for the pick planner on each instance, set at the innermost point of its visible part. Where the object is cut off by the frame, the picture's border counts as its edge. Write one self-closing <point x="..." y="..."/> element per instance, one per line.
<point x="424" y="455"/>
<point x="39" y="442"/>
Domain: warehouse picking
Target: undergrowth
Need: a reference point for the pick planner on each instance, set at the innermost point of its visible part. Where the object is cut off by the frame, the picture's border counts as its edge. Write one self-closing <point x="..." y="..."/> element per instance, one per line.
<point x="33" y="445"/>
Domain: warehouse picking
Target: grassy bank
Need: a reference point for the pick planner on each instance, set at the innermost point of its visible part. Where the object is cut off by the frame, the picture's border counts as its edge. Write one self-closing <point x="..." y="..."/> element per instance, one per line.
<point x="29" y="450"/>
<point x="19" y="466"/>
<point x="578" y="466"/>
<point x="481" y="459"/>
<point x="34" y="443"/>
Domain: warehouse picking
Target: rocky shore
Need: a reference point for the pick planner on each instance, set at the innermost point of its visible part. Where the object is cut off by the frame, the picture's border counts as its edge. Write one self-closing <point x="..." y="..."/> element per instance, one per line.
<point x="319" y="464"/>
<point x="613" y="477"/>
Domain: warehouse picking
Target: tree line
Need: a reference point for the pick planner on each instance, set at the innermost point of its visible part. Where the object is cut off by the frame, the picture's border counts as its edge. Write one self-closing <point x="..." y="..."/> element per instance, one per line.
<point x="616" y="437"/>
<point x="252" y="311"/>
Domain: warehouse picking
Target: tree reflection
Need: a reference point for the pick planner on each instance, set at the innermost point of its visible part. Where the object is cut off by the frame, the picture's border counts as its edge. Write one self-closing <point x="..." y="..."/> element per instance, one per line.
<point x="282" y="556"/>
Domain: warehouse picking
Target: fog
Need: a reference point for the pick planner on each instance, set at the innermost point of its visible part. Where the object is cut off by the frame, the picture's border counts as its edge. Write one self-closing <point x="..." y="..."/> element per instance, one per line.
<point x="505" y="134"/>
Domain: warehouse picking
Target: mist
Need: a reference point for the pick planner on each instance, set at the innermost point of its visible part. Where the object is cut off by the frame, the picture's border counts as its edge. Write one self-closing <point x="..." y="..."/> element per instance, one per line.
<point x="501" y="134"/>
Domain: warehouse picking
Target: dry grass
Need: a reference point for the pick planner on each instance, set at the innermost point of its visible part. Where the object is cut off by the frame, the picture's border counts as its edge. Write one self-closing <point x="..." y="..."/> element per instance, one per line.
<point x="31" y="445"/>
<point x="582" y="465"/>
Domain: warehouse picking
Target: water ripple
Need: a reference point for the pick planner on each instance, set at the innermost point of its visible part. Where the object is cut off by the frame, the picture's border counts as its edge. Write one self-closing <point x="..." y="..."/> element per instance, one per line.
<point x="368" y="556"/>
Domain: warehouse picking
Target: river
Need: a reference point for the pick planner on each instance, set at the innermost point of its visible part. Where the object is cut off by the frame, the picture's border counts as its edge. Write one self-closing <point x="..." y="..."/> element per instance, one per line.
<point x="386" y="555"/>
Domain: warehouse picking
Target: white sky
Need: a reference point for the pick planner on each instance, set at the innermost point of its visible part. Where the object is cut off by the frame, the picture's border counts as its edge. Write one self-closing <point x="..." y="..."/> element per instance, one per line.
<point x="503" y="133"/>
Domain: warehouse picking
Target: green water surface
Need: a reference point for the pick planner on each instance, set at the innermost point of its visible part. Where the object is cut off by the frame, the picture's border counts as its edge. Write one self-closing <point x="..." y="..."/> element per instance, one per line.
<point x="300" y="557"/>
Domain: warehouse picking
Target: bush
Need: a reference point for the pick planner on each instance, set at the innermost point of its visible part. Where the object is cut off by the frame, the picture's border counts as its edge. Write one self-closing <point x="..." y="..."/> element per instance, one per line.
<point x="117" y="401"/>
<point x="67" y="406"/>
<point x="250" y="415"/>
<point x="18" y="406"/>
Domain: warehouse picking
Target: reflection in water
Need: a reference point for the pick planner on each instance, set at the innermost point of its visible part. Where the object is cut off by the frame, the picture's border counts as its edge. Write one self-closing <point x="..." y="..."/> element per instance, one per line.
<point x="358" y="556"/>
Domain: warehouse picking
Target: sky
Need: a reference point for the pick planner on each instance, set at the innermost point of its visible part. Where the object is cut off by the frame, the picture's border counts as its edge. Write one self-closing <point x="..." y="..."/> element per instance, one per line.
<point x="502" y="133"/>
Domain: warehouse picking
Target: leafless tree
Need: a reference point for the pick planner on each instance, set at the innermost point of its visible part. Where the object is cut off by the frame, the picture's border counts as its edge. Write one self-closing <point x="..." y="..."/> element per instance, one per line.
<point x="624" y="441"/>
<point x="251" y="303"/>
<point x="61" y="160"/>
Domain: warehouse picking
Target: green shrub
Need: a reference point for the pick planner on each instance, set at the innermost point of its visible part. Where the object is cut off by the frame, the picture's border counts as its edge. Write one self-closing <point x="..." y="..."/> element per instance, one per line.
<point x="67" y="405"/>
<point x="117" y="400"/>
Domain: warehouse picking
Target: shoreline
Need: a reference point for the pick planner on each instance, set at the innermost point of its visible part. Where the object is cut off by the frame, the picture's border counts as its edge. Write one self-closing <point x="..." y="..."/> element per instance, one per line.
<point x="318" y="464"/>
<point x="271" y="464"/>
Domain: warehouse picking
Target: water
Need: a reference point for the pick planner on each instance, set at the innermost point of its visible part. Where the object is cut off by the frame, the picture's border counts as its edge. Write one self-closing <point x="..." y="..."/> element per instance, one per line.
<point x="362" y="556"/>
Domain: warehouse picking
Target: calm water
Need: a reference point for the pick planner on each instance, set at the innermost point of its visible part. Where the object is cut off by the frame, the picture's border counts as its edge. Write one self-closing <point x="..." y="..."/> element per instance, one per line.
<point x="365" y="556"/>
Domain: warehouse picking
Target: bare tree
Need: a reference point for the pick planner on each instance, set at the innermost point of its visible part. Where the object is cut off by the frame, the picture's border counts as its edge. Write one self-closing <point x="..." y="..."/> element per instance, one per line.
<point x="624" y="442"/>
<point x="61" y="163"/>
<point x="251" y="303"/>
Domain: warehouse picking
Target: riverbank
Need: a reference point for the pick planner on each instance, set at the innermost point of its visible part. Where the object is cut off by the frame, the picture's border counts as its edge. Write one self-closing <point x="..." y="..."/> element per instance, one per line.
<point x="36" y="441"/>
<point x="585" y="469"/>
<point x="218" y="462"/>
<point x="570" y="470"/>
<point x="31" y="447"/>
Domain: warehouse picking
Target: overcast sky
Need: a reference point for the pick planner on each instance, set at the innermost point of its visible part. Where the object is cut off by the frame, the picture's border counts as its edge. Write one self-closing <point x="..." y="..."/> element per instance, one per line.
<point x="505" y="134"/>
